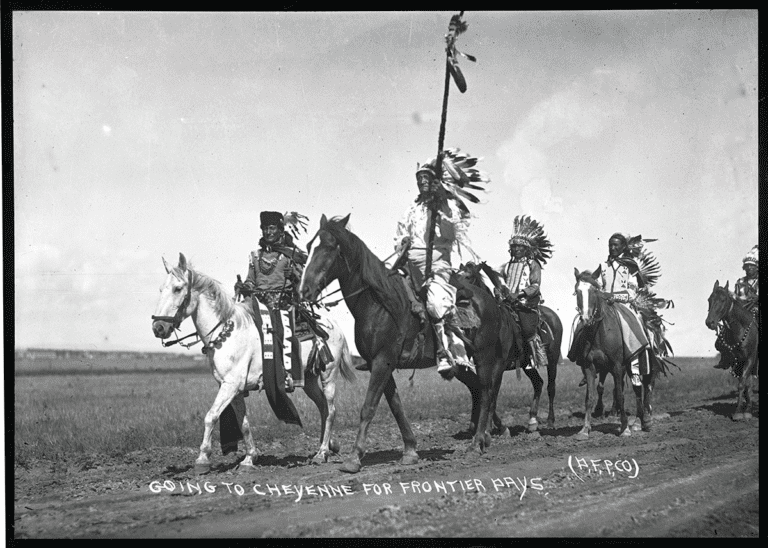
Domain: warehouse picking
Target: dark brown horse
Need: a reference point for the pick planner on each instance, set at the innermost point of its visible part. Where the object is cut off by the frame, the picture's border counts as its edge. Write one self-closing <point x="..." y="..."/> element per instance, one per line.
<point x="472" y="273"/>
<point x="601" y="351"/>
<point x="387" y="332"/>
<point x="742" y="329"/>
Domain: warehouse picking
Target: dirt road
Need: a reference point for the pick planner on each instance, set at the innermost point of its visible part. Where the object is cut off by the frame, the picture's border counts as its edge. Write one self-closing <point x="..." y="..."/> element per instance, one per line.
<point x="695" y="474"/>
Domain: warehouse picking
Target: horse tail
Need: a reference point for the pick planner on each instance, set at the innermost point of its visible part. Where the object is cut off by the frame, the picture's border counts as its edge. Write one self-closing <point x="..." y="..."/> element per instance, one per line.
<point x="345" y="362"/>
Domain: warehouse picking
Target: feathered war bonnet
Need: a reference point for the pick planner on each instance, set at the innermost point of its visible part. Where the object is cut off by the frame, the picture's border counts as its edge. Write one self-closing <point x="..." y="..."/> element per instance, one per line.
<point x="529" y="233"/>
<point x="460" y="176"/>
<point x="751" y="258"/>
<point x="648" y="266"/>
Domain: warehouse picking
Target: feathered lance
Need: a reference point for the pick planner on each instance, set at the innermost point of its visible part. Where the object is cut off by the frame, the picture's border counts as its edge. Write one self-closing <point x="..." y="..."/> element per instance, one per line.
<point x="455" y="28"/>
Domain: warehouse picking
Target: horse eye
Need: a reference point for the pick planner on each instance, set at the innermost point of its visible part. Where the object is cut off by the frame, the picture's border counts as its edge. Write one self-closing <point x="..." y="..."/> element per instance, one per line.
<point x="176" y="289"/>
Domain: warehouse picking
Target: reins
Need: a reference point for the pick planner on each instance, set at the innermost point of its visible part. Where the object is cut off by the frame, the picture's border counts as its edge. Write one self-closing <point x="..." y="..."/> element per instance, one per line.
<point x="328" y="305"/>
<point x="176" y="320"/>
<point x="724" y="324"/>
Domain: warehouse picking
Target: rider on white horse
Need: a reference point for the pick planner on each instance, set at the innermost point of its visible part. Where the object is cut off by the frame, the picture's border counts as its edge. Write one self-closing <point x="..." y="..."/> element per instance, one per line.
<point x="274" y="271"/>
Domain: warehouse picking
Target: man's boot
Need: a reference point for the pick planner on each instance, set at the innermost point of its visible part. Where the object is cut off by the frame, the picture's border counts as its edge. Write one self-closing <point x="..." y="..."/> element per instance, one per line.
<point x="456" y="346"/>
<point x="538" y="354"/>
<point x="725" y="361"/>
<point x="443" y="365"/>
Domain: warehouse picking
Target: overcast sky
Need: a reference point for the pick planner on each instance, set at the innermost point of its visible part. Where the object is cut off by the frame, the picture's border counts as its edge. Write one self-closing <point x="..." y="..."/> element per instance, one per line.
<point x="141" y="135"/>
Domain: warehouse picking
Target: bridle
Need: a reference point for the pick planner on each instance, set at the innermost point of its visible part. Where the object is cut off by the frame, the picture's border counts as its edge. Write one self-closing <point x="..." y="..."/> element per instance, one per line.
<point x="349" y="268"/>
<point x="596" y="315"/>
<point x="180" y="311"/>
<point x="723" y="323"/>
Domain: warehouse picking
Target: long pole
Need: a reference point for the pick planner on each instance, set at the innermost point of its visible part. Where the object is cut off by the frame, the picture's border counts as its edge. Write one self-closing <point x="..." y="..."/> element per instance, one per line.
<point x="433" y="203"/>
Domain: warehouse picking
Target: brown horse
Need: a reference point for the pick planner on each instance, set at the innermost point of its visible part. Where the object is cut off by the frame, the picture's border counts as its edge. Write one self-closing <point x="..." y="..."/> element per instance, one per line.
<point x="601" y="351"/>
<point x="743" y="328"/>
<point x="387" y="333"/>
<point x="472" y="273"/>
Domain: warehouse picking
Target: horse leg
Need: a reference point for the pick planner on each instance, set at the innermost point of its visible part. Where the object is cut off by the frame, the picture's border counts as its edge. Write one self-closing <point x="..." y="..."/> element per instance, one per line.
<point x="551" y="377"/>
<point x="395" y="405"/>
<point x="599" y="407"/>
<point x="640" y="412"/>
<point x="743" y="403"/>
<point x="381" y="372"/>
<point x="251" y="453"/>
<point x="618" y="391"/>
<point x="324" y="405"/>
<point x="490" y="377"/>
<point x="533" y="412"/>
<point x="589" y="400"/>
<point x="648" y="383"/>
<point x="471" y="381"/>
<point x="226" y="394"/>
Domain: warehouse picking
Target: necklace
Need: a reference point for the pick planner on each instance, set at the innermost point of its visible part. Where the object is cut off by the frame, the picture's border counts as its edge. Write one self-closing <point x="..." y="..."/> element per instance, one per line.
<point x="266" y="266"/>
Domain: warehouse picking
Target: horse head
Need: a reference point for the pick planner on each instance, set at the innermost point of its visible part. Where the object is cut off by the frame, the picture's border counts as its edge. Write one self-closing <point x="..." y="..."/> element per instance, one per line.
<point x="175" y="299"/>
<point x="323" y="265"/>
<point x="720" y="303"/>
<point x="587" y="295"/>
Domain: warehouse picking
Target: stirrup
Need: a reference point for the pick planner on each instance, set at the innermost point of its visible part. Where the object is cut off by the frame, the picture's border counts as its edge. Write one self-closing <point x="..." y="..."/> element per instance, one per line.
<point x="289" y="386"/>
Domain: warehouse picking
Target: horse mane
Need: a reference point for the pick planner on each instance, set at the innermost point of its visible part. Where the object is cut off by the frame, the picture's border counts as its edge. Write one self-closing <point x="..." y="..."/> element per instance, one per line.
<point x="373" y="271"/>
<point x="223" y="306"/>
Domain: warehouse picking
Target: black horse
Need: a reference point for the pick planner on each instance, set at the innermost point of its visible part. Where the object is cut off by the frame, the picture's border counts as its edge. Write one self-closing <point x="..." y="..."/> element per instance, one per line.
<point x="389" y="335"/>
<point x="744" y="332"/>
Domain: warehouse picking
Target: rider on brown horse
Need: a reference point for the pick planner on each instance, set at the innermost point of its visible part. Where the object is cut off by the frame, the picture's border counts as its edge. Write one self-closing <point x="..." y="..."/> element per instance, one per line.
<point x="450" y="239"/>
<point x="529" y="248"/>
<point x="625" y="279"/>
<point x="747" y="291"/>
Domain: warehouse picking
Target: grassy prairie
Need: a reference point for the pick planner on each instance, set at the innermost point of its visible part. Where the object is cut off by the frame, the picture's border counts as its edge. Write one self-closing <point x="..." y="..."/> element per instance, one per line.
<point x="69" y="414"/>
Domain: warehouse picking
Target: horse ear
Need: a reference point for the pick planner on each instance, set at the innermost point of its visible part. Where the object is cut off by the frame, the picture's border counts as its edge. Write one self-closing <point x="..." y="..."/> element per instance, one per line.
<point x="182" y="261"/>
<point x="717" y="284"/>
<point x="596" y="273"/>
<point x="323" y="220"/>
<point x="167" y="270"/>
<point x="576" y="273"/>
<point x="345" y="220"/>
<point x="726" y="284"/>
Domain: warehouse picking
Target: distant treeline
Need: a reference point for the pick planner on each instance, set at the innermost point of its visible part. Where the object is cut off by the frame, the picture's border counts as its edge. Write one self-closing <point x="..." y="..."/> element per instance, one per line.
<point x="61" y="354"/>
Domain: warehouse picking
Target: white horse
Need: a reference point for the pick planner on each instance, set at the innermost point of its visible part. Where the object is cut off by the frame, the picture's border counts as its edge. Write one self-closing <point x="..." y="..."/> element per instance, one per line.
<point x="234" y="350"/>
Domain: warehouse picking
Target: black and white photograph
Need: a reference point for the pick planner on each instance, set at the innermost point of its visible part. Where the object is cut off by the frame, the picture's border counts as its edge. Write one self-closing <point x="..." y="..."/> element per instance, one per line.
<point x="365" y="274"/>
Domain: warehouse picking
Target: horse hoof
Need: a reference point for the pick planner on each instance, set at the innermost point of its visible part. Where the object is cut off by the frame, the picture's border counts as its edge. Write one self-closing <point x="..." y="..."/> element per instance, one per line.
<point x="533" y="435"/>
<point x="498" y="431"/>
<point x="647" y="427"/>
<point x="409" y="459"/>
<point x="334" y="446"/>
<point x="551" y="424"/>
<point x="582" y="436"/>
<point x="320" y="458"/>
<point x="747" y="416"/>
<point x="202" y="468"/>
<point x="350" y="467"/>
<point x="626" y="433"/>
<point x="246" y="468"/>
<point x="738" y="416"/>
<point x="636" y="426"/>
